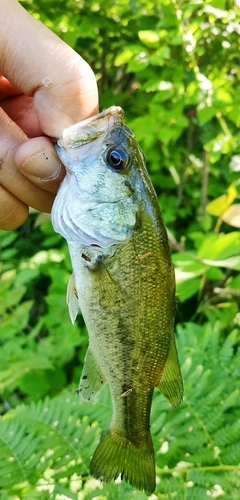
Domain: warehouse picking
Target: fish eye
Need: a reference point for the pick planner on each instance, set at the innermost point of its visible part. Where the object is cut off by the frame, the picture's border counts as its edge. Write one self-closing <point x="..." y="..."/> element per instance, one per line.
<point x="117" y="158"/>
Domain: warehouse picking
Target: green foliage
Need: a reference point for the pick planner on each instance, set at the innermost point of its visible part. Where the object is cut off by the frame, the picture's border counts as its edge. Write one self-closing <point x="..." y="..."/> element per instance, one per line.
<point x="174" y="68"/>
<point x="46" y="445"/>
<point x="32" y="361"/>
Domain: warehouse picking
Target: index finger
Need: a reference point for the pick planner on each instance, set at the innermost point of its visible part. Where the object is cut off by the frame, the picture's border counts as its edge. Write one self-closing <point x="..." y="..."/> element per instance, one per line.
<point x="37" y="62"/>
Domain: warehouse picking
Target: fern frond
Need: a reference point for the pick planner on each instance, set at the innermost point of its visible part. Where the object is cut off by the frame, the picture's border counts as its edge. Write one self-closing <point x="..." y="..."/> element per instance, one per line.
<point x="231" y="454"/>
<point x="228" y="434"/>
<point x="52" y="441"/>
<point x="18" y="457"/>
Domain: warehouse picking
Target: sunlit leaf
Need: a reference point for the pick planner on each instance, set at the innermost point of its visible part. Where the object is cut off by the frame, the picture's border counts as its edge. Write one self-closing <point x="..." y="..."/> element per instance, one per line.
<point x="230" y="263"/>
<point x="220" y="246"/>
<point x="150" y="38"/>
<point x="224" y="96"/>
<point x="232" y="215"/>
<point x="127" y="53"/>
<point x="217" y="206"/>
<point x="138" y="62"/>
<point x="187" y="267"/>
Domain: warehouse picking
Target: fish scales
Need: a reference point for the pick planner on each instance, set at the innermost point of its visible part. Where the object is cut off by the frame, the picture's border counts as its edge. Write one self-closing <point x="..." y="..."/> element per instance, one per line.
<point x="123" y="282"/>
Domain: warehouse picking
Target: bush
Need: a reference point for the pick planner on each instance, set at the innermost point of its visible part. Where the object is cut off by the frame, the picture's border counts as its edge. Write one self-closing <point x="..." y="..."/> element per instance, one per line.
<point x="174" y="70"/>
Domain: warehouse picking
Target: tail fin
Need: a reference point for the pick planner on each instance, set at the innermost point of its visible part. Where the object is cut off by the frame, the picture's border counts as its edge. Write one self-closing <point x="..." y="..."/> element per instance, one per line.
<point x="116" y="455"/>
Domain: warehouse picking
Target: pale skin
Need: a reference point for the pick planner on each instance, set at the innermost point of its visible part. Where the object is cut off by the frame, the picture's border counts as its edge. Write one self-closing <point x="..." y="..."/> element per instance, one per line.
<point x="45" y="86"/>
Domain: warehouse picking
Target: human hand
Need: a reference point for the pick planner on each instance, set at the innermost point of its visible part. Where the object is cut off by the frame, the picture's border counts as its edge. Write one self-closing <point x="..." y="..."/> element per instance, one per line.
<point x="46" y="87"/>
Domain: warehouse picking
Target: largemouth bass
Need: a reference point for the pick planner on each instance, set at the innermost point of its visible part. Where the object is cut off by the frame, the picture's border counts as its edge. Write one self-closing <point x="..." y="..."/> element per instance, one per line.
<point x="123" y="282"/>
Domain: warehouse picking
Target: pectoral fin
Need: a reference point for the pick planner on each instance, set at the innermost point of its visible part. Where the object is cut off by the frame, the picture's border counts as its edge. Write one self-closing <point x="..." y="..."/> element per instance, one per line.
<point x="171" y="384"/>
<point x="109" y="294"/>
<point x="92" y="379"/>
<point x="72" y="299"/>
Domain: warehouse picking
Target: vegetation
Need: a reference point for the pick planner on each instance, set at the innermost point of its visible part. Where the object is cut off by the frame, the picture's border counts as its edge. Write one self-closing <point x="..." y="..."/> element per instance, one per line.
<point x="173" y="66"/>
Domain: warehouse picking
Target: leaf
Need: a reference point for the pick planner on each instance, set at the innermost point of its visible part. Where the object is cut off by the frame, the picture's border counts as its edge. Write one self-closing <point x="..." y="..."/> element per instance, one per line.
<point x="17" y="321"/>
<point x="149" y="38"/>
<point x="127" y="53"/>
<point x="217" y="206"/>
<point x="232" y="215"/>
<point x="186" y="288"/>
<point x="220" y="246"/>
<point x="230" y="263"/>
<point x="205" y="113"/>
<point x="16" y="369"/>
<point x="187" y="267"/>
<point x="7" y="238"/>
<point x="138" y="63"/>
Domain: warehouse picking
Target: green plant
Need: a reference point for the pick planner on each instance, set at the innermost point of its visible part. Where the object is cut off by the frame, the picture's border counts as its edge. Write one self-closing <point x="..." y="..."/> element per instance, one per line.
<point x="47" y="445"/>
<point x="173" y="67"/>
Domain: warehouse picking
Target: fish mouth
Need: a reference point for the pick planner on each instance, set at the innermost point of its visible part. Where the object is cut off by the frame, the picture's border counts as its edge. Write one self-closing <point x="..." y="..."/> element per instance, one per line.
<point x="90" y="129"/>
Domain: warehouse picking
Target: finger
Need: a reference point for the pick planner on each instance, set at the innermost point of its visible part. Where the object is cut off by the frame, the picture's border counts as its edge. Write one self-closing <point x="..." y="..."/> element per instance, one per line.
<point x="21" y="110"/>
<point x="39" y="162"/>
<point x="13" y="212"/>
<point x="62" y="83"/>
<point x="11" y="179"/>
<point x="7" y="89"/>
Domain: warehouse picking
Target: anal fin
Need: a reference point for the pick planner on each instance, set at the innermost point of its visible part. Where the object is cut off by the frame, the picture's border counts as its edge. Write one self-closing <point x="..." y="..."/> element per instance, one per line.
<point x="92" y="379"/>
<point x="171" y="384"/>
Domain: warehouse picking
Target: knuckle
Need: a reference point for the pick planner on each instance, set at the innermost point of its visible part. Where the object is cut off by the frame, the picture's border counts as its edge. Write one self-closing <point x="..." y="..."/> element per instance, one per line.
<point x="13" y="212"/>
<point x="10" y="137"/>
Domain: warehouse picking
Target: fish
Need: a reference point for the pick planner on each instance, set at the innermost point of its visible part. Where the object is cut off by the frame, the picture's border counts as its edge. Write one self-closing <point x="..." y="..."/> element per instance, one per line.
<point x="123" y="282"/>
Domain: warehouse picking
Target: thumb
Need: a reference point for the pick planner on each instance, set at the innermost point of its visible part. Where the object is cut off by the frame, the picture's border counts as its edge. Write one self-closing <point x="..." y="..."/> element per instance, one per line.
<point x="62" y="83"/>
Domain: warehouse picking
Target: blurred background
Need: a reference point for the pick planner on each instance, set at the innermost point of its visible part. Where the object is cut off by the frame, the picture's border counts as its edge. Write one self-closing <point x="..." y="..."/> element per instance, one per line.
<point x="173" y="66"/>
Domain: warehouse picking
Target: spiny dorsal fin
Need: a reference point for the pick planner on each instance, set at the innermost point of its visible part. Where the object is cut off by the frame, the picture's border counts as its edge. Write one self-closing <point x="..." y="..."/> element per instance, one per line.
<point x="92" y="379"/>
<point x="171" y="384"/>
<point x="72" y="299"/>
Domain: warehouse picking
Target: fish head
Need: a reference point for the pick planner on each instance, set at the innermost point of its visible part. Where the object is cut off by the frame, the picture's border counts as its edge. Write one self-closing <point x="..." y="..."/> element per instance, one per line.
<point x="100" y="197"/>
